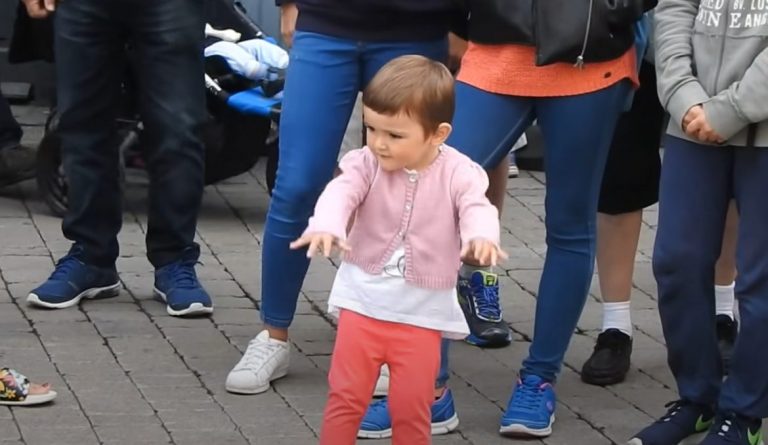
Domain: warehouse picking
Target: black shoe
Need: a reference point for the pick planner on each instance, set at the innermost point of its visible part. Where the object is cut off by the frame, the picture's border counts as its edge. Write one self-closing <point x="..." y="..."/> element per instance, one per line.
<point x="727" y="330"/>
<point x="17" y="163"/>
<point x="479" y="300"/>
<point x="609" y="362"/>
<point x="685" y="421"/>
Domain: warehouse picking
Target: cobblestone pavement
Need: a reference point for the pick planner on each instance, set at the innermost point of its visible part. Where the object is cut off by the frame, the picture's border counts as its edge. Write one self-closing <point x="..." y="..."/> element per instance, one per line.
<point x="127" y="373"/>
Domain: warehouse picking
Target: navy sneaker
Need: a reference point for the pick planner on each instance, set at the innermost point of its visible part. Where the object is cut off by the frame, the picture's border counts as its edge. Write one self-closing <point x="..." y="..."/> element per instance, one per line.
<point x="735" y="430"/>
<point x="177" y="285"/>
<point x="71" y="281"/>
<point x="531" y="409"/>
<point x="684" y="423"/>
<point x="479" y="300"/>
<point x="378" y="425"/>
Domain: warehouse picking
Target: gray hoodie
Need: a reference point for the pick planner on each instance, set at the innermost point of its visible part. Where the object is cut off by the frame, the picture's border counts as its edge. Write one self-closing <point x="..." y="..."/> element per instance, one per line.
<point x="715" y="53"/>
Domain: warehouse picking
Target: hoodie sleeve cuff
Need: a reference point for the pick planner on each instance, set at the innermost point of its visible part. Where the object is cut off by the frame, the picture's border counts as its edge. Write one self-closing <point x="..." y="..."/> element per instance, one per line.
<point x="687" y="96"/>
<point x="723" y="117"/>
<point x="279" y="3"/>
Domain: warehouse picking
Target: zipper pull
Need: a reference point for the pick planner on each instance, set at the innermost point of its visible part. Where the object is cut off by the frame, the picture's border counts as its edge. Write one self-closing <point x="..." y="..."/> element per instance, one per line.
<point x="579" y="62"/>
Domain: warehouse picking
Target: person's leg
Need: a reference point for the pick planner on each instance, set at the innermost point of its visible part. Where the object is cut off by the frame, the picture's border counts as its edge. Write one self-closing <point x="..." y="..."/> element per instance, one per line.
<point x="168" y="47"/>
<point x="503" y="120"/>
<point x="745" y="391"/>
<point x="695" y="191"/>
<point x="89" y="48"/>
<point x="361" y="344"/>
<point x="413" y="358"/>
<point x="10" y="130"/>
<point x="630" y="183"/>
<point x="576" y="146"/>
<point x="322" y="83"/>
<point x="90" y="52"/>
<point x="725" y="276"/>
<point x="17" y="162"/>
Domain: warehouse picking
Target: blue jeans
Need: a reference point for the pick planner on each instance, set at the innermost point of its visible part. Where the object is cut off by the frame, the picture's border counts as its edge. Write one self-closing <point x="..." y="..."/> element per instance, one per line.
<point x="167" y="48"/>
<point x="577" y="133"/>
<point x="697" y="183"/>
<point x="323" y="79"/>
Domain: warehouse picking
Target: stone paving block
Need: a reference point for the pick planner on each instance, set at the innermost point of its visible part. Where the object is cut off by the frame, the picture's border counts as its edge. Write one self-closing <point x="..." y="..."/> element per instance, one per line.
<point x="8" y="429"/>
<point x="41" y="434"/>
<point x="196" y="420"/>
<point x="208" y="438"/>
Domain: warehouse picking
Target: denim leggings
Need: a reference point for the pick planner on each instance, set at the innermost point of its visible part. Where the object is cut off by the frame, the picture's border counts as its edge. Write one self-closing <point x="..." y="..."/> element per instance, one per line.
<point x="577" y="132"/>
<point x="323" y="80"/>
<point x="697" y="183"/>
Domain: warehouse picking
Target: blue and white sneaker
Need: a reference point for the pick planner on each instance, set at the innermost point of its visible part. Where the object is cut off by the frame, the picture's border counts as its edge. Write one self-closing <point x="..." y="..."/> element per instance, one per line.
<point x="71" y="281"/>
<point x="684" y="423"/>
<point x="377" y="424"/>
<point x="531" y="409"/>
<point x="479" y="300"/>
<point x="177" y="285"/>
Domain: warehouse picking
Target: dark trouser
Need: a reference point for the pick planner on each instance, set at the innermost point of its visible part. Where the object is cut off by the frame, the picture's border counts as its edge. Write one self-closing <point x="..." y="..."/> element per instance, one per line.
<point x="10" y="131"/>
<point x="697" y="183"/>
<point x="166" y="39"/>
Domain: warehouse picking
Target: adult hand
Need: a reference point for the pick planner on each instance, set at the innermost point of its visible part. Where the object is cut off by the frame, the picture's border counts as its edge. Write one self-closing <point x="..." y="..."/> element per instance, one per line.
<point x="40" y="9"/>
<point x="696" y="126"/>
<point x="485" y="252"/>
<point x="288" y="14"/>
<point x="320" y="242"/>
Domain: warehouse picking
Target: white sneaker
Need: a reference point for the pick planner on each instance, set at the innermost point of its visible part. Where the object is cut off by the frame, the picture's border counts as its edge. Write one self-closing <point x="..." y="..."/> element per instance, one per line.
<point x="514" y="172"/>
<point x="265" y="360"/>
<point x="382" y="384"/>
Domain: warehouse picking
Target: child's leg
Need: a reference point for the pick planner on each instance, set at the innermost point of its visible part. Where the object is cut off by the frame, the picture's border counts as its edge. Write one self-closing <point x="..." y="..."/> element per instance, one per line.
<point x="357" y="357"/>
<point x="413" y="355"/>
<point x="746" y="390"/>
<point x="695" y="191"/>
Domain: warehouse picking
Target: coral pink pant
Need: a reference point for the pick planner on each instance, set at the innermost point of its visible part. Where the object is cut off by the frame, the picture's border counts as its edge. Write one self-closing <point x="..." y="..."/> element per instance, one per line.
<point x="363" y="344"/>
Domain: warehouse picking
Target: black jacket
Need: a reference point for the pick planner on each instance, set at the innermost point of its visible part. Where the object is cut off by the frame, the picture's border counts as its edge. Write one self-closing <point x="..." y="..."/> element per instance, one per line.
<point x="379" y="20"/>
<point x="575" y="31"/>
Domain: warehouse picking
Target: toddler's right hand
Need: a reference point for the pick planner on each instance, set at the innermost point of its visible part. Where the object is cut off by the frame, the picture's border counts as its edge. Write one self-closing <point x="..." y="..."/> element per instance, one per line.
<point x="320" y="242"/>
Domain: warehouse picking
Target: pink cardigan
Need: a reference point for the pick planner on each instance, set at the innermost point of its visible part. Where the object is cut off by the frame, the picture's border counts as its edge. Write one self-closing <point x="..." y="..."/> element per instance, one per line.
<point x="431" y="213"/>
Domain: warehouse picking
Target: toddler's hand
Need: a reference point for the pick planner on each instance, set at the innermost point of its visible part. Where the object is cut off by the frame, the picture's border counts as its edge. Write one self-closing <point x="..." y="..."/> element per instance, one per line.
<point x="320" y="242"/>
<point x="483" y="251"/>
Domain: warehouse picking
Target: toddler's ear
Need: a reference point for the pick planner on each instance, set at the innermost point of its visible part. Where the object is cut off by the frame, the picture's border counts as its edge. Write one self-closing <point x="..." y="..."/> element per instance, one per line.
<point x="441" y="134"/>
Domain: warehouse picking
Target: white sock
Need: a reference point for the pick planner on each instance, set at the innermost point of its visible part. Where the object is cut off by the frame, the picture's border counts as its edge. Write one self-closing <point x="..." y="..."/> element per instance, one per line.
<point x="724" y="298"/>
<point x="617" y="316"/>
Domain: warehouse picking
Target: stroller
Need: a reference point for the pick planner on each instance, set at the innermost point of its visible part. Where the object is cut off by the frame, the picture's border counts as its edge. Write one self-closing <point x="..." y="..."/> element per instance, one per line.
<point x="243" y="116"/>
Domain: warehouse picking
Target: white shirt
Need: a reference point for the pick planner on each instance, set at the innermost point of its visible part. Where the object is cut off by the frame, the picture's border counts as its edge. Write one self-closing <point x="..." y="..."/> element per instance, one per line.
<point x="388" y="297"/>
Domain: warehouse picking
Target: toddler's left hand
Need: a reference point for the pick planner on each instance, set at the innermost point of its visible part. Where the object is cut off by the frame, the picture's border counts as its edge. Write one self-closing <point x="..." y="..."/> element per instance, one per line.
<point x="483" y="251"/>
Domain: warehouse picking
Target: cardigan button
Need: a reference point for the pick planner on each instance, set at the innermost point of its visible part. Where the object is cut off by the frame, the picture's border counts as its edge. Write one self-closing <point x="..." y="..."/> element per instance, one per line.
<point x="412" y="177"/>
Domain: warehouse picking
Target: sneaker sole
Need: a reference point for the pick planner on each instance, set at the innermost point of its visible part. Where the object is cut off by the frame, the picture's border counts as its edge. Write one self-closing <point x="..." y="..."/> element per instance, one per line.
<point x="521" y="431"/>
<point x="438" y="429"/>
<point x="604" y="380"/>
<point x="690" y="440"/>
<point x="483" y="343"/>
<point x="279" y="374"/>
<point x="94" y="293"/>
<point x="193" y="309"/>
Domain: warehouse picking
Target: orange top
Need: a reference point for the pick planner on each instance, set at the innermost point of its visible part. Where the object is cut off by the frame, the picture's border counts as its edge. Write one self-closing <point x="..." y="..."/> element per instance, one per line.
<point x="515" y="72"/>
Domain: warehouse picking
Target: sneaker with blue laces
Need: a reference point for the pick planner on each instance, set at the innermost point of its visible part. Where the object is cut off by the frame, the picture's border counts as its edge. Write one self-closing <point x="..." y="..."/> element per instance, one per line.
<point x="684" y="423"/>
<point x="531" y="409"/>
<point x="177" y="285"/>
<point x="731" y="429"/>
<point x="377" y="424"/>
<point x="72" y="280"/>
<point x="479" y="300"/>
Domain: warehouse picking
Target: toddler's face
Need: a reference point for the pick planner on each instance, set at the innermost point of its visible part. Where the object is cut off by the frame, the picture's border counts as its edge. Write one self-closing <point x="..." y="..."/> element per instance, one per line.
<point x="398" y="141"/>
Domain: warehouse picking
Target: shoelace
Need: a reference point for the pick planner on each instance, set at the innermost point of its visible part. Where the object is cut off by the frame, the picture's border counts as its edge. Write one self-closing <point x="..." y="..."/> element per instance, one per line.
<point x="731" y="427"/>
<point x="258" y="352"/>
<point x="183" y="274"/>
<point x="378" y="405"/>
<point x="609" y="340"/>
<point x="487" y="301"/>
<point x="673" y="408"/>
<point x="528" y="396"/>
<point x="64" y="267"/>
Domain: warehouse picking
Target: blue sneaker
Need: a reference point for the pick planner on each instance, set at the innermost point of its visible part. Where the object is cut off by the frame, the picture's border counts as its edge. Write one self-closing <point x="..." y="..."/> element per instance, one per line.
<point x="531" y="409"/>
<point x="732" y="429"/>
<point x="177" y="285"/>
<point x="684" y="423"/>
<point x="71" y="281"/>
<point x="377" y="424"/>
<point x="479" y="300"/>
